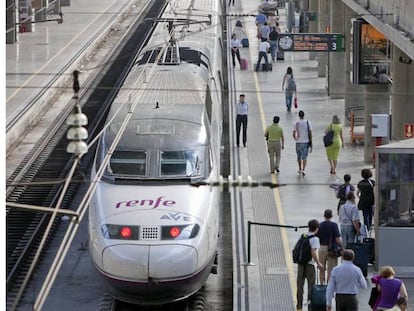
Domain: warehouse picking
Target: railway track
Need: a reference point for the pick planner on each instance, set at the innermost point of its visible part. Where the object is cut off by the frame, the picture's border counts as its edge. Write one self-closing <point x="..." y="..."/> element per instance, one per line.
<point x="39" y="179"/>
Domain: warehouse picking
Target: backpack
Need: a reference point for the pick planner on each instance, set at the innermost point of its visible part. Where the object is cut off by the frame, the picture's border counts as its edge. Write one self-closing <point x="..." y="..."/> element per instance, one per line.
<point x="342" y="192"/>
<point x="302" y="253"/>
<point x="291" y="85"/>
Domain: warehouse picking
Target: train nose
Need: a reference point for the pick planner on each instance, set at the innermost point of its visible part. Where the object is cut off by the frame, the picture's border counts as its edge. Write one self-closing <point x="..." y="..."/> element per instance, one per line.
<point x="140" y="262"/>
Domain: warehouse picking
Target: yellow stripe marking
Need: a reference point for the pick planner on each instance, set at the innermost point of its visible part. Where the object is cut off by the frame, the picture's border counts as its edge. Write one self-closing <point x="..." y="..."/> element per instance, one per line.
<point x="276" y="194"/>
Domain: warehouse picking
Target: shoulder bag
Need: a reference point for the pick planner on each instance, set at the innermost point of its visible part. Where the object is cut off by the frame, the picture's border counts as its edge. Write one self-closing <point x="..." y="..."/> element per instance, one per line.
<point x="328" y="138"/>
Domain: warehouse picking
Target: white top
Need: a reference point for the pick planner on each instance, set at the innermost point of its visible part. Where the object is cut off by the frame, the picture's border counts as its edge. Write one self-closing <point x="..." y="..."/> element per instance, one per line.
<point x="314" y="243"/>
<point x="301" y="128"/>
<point x="235" y="43"/>
<point x="264" y="46"/>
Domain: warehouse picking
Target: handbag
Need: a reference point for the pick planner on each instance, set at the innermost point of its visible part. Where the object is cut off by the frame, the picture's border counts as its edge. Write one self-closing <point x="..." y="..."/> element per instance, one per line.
<point x="334" y="249"/>
<point x="373" y="296"/>
<point x="295" y="102"/>
<point x="328" y="138"/>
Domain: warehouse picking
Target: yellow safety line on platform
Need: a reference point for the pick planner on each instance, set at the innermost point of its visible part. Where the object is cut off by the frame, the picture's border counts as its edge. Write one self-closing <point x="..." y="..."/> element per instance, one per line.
<point x="48" y="62"/>
<point x="276" y="194"/>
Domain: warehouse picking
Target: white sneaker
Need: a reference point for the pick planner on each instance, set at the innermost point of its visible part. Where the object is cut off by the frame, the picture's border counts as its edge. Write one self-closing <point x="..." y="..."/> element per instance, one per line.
<point x="299" y="172"/>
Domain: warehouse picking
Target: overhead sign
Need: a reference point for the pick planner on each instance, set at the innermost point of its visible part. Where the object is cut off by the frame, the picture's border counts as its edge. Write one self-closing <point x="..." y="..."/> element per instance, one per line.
<point x="318" y="42"/>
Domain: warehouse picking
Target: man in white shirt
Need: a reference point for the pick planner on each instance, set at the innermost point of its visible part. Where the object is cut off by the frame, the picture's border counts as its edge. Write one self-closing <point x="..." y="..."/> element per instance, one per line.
<point x="302" y="133"/>
<point x="345" y="282"/>
<point x="264" y="48"/>
<point x="242" y="109"/>
<point x="307" y="271"/>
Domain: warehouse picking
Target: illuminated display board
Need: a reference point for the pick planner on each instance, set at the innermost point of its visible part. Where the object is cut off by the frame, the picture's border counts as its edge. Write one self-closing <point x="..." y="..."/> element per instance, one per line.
<point x="371" y="55"/>
<point x="303" y="42"/>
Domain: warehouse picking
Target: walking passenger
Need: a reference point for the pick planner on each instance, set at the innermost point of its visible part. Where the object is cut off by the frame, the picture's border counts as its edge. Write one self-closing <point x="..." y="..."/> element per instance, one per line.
<point x="390" y="288"/>
<point x="329" y="236"/>
<point x="234" y="45"/>
<point x="275" y="143"/>
<point x="264" y="47"/>
<point x="307" y="271"/>
<point x="289" y="82"/>
<point x="343" y="190"/>
<point x="366" y="196"/>
<point x="242" y="109"/>
<point x="345" y="282"/>
<point x="332" y="151"/>
<point x="273" y="36"/>
<point x="349" y="220"/>
<point x="302" y="133"/>
<point x="264" y="32"/>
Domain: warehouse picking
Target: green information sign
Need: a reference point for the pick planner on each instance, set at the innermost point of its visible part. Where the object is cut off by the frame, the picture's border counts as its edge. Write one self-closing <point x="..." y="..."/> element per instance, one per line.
<point x="317" y="42"/>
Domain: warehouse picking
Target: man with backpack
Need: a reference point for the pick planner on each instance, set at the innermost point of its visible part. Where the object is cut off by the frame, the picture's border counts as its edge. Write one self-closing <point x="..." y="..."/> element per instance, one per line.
<point x="305" y="254"/>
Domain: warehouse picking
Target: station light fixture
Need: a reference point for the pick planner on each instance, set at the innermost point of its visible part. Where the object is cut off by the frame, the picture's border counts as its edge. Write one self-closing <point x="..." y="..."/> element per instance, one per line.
<point x="77" y="133"/>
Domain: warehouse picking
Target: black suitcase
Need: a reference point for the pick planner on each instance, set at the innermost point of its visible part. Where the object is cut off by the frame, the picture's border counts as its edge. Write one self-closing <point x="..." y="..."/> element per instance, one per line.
<point x="245" y="42"/>
<point x="361" y="259"/>
<point x="280" y="55"/>
<point x="371" y="249"/>
<point x="269" y="67"/>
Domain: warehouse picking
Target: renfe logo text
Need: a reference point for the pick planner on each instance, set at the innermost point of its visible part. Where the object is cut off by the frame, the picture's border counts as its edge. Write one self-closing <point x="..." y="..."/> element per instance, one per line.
<point x="147" y="203"/>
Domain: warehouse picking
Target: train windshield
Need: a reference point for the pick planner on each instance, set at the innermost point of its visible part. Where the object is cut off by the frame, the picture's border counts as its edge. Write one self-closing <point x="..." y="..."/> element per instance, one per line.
<point x="128" y="163"/>
<point x="181" y="163"/>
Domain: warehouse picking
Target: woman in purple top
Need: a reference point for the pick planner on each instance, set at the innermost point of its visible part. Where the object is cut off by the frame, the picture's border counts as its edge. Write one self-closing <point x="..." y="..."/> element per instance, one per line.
<point x="391" y="288"/>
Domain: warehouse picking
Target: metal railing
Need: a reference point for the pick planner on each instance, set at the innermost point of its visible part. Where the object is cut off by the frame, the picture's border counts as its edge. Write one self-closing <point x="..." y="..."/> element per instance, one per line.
<point x="251" y="223"/>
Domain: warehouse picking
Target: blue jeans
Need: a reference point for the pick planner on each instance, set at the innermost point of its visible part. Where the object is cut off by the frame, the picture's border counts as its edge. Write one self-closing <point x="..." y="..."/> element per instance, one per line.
<point x="288" y="96"/>
<point x="273" y="49"/>
<point x="347" y="235"/>
<point x="262" y="54"/>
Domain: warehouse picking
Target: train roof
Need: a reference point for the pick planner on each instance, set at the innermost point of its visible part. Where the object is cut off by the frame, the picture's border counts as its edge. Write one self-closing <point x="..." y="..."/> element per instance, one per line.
<point x="168" y="127"/>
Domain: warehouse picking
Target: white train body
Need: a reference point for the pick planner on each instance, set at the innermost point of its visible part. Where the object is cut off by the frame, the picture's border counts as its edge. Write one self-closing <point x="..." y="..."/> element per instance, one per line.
<point x="153" y="237"/>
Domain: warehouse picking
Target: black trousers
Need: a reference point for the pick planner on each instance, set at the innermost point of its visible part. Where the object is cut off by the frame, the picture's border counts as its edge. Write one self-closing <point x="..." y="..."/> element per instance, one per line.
<point x="235" y="53"/>
<point x="346" y="302"/>
<point x="241" y="120"/>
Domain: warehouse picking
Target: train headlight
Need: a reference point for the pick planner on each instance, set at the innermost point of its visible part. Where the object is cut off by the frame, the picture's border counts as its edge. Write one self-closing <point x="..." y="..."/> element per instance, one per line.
<point x="182" y="232"/>
<point x="119" y="232"/>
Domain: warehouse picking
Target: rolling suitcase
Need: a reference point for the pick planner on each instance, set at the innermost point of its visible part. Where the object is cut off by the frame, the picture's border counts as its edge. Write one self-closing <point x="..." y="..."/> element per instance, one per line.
<point x="267" y="68"/>
<point x="245" y="42"/>
<point x="318" y="297"/>
<point x="280" y="55"/>
<point x="244" y="64"/>
<point x="361" y="259"/>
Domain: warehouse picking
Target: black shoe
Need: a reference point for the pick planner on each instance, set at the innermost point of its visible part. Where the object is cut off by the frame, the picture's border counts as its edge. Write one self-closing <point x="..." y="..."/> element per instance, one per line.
<point x="277" y="170"/>
<point x="244" y="145"/>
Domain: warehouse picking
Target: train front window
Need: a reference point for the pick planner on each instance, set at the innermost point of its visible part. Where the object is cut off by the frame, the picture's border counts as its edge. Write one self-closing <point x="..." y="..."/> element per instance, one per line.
<point x="181" y="163"/>
<point x="131" y="163"/>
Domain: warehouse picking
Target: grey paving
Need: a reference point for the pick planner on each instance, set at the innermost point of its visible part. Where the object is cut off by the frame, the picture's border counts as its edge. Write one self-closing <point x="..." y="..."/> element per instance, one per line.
<point x="272" y="281"/>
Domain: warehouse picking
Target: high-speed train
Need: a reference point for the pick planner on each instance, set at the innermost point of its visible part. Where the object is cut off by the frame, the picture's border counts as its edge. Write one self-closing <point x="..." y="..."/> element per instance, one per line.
<point x="153" y="236"/>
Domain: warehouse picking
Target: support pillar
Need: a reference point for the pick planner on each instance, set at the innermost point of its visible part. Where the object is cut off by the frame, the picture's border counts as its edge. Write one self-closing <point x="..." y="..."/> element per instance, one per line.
<point x="354" y="93"/>
<point x="402" y="94"/>
<point x="377" y="101"/>
<point x="313" y="25"/>
<point x="323" y="24"/>
<point x="11" y="36"/>
<point x="337" y="59"/>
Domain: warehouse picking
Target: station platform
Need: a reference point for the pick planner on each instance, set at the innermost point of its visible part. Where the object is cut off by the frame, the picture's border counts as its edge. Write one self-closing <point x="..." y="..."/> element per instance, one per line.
<point x="270" y="275"/>
<point x="269" y="280"/>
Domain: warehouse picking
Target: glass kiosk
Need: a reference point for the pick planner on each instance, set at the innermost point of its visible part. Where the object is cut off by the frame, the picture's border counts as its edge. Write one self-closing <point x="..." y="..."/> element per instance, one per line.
<point x="394" y="208"/>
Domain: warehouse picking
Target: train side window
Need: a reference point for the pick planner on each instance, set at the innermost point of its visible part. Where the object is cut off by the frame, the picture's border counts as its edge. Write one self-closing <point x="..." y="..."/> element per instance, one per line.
<point x="131" y="163"/>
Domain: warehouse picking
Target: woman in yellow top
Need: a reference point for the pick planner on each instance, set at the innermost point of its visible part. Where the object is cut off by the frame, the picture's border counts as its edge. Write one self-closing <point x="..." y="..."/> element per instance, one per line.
<point x="332" y="151"/>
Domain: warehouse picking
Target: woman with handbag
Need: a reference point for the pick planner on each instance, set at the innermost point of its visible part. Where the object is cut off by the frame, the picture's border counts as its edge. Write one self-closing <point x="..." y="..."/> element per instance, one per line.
<point x="334" y="129"/>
